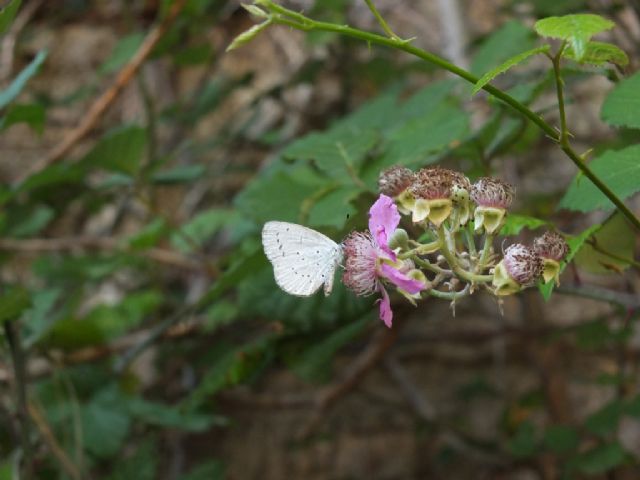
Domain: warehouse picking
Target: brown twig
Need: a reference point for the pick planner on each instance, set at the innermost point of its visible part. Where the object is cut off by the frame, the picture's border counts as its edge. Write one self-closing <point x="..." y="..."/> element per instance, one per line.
<point x="8" y="46"/>
<point x="102" y="103"/>
<point x="369" y="358"/>
<point x="49" y="438"/>
<point x="39" y="245"/>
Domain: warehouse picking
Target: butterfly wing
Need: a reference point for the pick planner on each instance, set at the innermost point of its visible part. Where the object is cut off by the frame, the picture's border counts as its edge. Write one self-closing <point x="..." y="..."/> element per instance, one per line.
<point x="303" y="259"/>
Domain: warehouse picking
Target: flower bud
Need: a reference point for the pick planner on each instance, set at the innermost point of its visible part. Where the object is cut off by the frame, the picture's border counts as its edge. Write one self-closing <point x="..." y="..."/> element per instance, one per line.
<point x="520" y="267"/>
<point x="432" y="188"/>
<point x="552" y="248"/>
<point x="394" y="180"/>
<point x="492" y="197"/>
<point x="399" y="239"/>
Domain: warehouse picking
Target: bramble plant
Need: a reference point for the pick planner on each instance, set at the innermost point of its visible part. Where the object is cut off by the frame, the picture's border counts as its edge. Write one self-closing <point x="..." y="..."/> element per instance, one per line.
<point x="143" y="167"/>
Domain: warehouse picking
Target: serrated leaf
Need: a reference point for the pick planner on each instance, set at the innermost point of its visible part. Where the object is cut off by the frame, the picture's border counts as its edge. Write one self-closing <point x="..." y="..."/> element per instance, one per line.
<point x="514" y="224"/>
<point x="598" y="53"/>
<point x="338" y="152"/>
<point x="8" y="13"/>
<point x="576" y="29"/>
<point x="412" y="142"/>
<point x="278" y="195"/>
<point x="621" y="108"/>
<point x="508" y="40"/>
<point x="510" y="63"/>
<point x="333" y="209"/>
<point x="616" y="236"/>
<point x="575" y="244"/>
<point x="120" y="150"/>
<point x="18" y="83"/>
<point x="618" y="169"/>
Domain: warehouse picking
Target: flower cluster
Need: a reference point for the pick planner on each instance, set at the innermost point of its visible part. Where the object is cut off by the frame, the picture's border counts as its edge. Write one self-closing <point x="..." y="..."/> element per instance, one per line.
<point x="445" y="212"/>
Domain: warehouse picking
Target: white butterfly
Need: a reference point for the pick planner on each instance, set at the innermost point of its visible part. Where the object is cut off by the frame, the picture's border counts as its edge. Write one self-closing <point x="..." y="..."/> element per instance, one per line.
<point x="303" y="259"/>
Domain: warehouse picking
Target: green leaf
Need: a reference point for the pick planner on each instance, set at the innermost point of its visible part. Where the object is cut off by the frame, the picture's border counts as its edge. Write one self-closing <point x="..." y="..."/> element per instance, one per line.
<point x="413" y="141"/>
<point x="105" y="423"/>
<point x="561" y="438"/>
<point x="618" y="169"/>
<point x="179" y="174"/>
<point x="598" y="53"/>
<point x="122" y="53"/>
<point x="13" y="302"/>
<point x="18" y="83"/>
<point x="510" y="63"/>
<point x="167" y="416"/>
<point x="201" y="228"/>
<point x="515" y="223"/>
<point x="142" y="465"/>
<point x="523" y="444"/>
<point x="621" y="108"/>
<point x="576" y="29"/>
<point x="33" y="114"/>
<point x="31" y="221"/>
<point x="120" y="150"/>
<point x="600" y="459"/>
<point x="506" y="42"/>
<point x="149" y="235"/>
<point x="605" y="421"/>
<point x="616" y="236"/>
<point x="313" y="364"/>
<point x="575" y="244"/>
<point x="333" y="209"/>
<point x="278" y="195"/>
<point x="337" y="152"/>
<point x="8" y="13"/>
<point x="210" y="470"/>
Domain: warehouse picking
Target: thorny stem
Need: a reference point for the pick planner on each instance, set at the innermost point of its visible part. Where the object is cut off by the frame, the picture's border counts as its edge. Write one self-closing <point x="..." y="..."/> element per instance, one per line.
<point x="455" y="266"/>
<point x="284" y="16"/>
<point x="450" y="295"/>
<point x="471" y="243"/>
<point x="383" y="23"/>
<point x="19" y="368"/>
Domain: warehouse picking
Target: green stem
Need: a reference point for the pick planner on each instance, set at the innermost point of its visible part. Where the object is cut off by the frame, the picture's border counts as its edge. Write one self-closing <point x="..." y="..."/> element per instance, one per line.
<point x="455" y="266"/>
<point x="430" y="266"/>
<point x="629" y="261"/>
<point x="383" y="23"/>
<point x="421" y="249"/>
<point x="298" y="21"/>
<point x="449" y="295"/>
<point x="564" y="131"/>
<point x="471" y="242"/>
<point x="486" y="249"/>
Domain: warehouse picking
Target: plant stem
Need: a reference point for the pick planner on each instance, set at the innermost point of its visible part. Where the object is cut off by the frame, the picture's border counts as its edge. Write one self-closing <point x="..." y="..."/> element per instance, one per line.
<point x="295" y="20"/>
<point x="430" y="266"/>
<point x="486" y="248"/>
<point x="471" y="243"/>
<point x="383" y="23"/>
<point x="19" y="369"/>
<point x="449" y="295"/>
<point x="455" y="266"/>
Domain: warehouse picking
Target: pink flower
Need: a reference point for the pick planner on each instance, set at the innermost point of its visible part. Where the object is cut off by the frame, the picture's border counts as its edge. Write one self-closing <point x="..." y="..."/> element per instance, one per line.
<point x="370" y="260"/>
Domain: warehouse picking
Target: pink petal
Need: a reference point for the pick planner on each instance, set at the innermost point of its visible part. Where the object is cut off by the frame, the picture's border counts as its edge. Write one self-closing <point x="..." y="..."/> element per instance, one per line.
<point x="383" y="220"/>
<point x="386" y="315"/>
<point x="401" y="280"/>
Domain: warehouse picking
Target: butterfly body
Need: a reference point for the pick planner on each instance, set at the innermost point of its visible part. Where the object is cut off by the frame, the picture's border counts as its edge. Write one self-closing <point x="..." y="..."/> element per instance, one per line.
<point x="303" y="260"/>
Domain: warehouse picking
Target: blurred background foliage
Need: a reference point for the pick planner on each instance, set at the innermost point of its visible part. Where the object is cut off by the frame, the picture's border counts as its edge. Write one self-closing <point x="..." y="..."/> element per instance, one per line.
<point x="141" y="316"/>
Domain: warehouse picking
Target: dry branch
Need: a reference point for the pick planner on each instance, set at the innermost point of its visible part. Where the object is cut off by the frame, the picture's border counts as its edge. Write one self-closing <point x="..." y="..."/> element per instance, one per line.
<point x="102" y="103"/>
